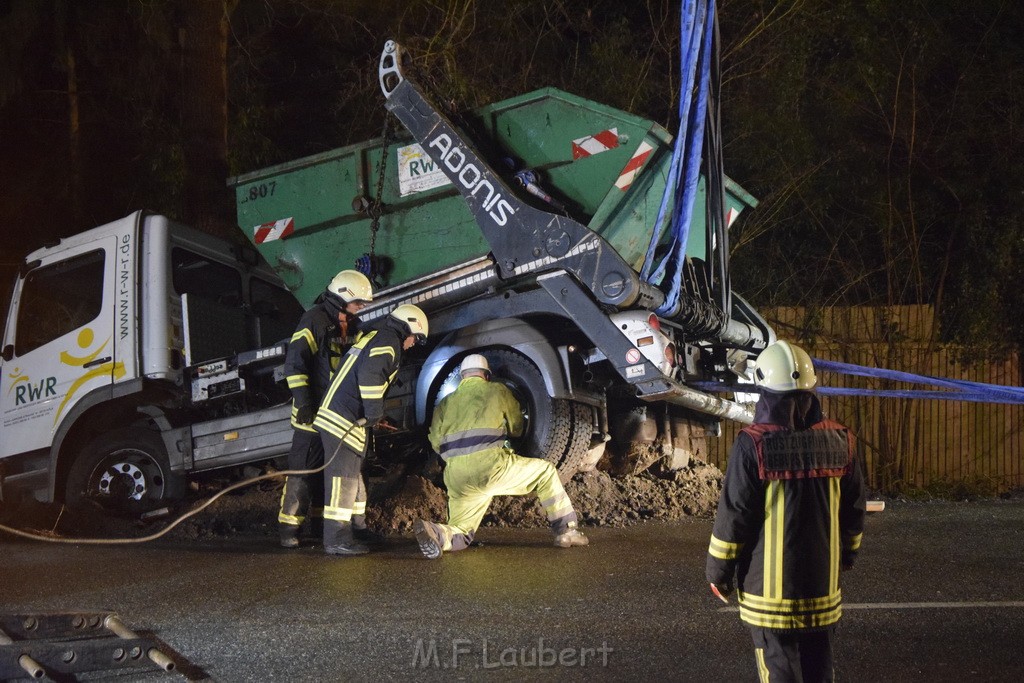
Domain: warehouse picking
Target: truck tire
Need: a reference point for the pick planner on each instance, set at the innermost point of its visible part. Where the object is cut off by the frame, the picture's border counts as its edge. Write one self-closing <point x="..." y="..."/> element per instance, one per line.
<point x="557" y="430"/>
<point x="579" y="444"/>
<point x="122" y="474"/>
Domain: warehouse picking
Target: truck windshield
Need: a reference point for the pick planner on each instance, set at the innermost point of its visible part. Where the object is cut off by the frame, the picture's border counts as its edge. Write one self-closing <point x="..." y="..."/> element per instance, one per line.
<point x="277" y="311"/>
<point x="202" y="277"/>
<point x="58" y="299"/>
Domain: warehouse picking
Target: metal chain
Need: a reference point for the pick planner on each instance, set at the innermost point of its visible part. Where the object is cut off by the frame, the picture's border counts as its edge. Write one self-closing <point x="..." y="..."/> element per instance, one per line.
<point x="375" y="208"/>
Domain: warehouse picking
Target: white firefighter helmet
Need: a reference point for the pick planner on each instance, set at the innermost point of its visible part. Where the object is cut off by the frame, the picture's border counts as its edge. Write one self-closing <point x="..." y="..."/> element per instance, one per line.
<point x="351" y="285"/>
<point x="784" y="367"/>
<point x="415" y="318"/>
<point x="474" y="361"/>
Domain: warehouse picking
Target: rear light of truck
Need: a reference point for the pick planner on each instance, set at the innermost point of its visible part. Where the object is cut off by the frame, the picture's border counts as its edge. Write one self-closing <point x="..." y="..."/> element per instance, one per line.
<point x="654" y="323"/>
<point x="670" y="355"/>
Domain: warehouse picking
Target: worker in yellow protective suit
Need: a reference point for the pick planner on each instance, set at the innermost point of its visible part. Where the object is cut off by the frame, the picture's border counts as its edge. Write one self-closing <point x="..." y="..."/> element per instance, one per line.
<point x="469" y="432"/>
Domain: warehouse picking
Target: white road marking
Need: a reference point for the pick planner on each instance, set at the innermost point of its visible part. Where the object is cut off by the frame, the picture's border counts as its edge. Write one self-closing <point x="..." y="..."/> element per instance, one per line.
<point x="1013" y="604"/>
<point x="932" y="605"/>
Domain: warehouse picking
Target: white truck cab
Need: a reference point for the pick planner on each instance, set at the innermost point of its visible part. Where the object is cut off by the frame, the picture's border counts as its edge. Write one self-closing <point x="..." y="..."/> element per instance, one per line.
<point x="127" y="351"/>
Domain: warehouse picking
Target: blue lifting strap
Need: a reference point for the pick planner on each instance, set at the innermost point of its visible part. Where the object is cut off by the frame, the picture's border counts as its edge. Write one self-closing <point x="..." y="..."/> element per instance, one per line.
<point x="955" y="389"/>
<point x="696" y="31"/>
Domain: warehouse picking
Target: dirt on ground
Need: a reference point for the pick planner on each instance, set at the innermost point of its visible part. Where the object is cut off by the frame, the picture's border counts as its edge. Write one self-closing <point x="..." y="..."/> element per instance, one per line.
<point x="600" y="499"/>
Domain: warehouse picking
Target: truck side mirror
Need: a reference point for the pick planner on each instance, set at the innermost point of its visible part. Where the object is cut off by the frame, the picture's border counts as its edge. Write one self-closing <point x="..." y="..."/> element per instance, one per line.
<point x="8" y="352"/>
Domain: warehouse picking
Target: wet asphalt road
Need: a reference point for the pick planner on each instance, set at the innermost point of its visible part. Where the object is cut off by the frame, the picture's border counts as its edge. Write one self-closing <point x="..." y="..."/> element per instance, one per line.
<point x="936" y="596"/>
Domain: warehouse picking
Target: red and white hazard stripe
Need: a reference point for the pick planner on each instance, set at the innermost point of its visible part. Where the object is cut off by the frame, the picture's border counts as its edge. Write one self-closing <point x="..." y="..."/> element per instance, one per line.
<point x="595" y="144"/>
<point x="633" y="166"/>
<point x="730" y="216"/>
<point x="268" y="232"/>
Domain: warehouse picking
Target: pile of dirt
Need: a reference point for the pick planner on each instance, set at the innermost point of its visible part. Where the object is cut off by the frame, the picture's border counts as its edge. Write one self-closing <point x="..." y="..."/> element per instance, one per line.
<point x="417" y="499"/>
<point x="603" y="500"/>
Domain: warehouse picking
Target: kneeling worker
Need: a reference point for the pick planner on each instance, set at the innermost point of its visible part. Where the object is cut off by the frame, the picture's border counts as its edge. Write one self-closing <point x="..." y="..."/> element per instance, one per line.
<point x="469" y="432"/>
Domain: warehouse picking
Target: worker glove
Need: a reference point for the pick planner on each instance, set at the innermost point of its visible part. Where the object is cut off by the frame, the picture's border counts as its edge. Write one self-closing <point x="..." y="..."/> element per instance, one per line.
<point x="304" y="414"/>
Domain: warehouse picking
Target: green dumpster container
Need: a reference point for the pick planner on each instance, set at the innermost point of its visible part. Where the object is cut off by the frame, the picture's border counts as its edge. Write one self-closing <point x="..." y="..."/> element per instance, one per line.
<point x="310" y="218"/>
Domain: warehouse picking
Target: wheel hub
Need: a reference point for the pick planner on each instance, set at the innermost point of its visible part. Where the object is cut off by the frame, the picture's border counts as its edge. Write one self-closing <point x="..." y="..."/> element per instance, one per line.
<point x="123" y="480"/>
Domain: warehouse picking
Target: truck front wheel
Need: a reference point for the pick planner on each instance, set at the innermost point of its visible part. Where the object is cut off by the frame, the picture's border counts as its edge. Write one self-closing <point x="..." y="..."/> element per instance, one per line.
<point x="122" y="473"/>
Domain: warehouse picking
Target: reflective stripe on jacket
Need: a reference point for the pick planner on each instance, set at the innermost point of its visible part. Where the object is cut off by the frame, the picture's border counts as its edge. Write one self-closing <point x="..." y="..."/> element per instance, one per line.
<point x="358" y="387"/>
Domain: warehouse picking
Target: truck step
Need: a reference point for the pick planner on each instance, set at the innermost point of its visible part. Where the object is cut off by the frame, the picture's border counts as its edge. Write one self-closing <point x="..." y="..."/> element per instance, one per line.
<point x="59" y="644"/>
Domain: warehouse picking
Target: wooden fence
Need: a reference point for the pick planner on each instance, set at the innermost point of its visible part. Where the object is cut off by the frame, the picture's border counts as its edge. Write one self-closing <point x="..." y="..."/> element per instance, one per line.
<point x="941" y="446"/>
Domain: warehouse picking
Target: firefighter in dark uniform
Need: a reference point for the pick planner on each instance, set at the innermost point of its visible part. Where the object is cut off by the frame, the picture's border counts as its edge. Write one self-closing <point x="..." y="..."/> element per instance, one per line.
<point x="790" y="517"/>
<point x="354" y="403"/>
<point x="313" y="354"/>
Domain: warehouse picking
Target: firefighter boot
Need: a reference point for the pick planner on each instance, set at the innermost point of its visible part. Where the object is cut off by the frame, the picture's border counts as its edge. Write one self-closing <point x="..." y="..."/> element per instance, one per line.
<point x="289" y="535"/>
<point x="429" y="538"/>
<point x="570" y="537"/>
<point x="345" y="549"/>
<point x="344" y="543"/>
